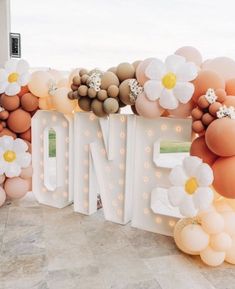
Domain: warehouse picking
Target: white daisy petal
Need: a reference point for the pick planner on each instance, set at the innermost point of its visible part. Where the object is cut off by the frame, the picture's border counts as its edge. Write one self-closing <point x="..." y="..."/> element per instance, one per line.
<point x="153" y="89"/>
<point x="191" y="165"/>
<point x="183" y="91"/>
<point x="168" y="99"/>
<point x="175" y="195"/>
<point x="203" y="198"/>
<point x="173" y="62"/>
<point x="186" y="72"/>
<point x="155" y="70"/>
<point x="177" y="176"/>
<point x="22" y="66"/>
<point x="23" y="159"/>
<point x="204" y="175"/>
<point x="24" y="79"/>
<point x="6" y="142"/>
<point x="11" y="65"/>
<point x="12" y="88"/>
<point x="3" y="75"/>
<point x="13" y="170"/>
<point x="3" y="86"/>
<point x="187" y="207"/>
<point x="20" y="145"/>
<point x="2" y="167"/>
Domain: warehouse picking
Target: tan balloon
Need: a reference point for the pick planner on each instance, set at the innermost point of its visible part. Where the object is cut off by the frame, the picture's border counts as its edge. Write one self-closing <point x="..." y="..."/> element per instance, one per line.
<point x="107" y="79"/>
<point x="61" y="102"/>
<point x="125" y="70"/>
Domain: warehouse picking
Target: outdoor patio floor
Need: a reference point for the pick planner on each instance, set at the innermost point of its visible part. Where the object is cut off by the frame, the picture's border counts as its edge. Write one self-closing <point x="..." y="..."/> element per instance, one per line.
<point x="47" y="248"/>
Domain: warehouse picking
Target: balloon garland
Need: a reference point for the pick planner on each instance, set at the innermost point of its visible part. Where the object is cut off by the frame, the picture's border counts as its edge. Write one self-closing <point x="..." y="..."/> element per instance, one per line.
<point x="182" y="86"/>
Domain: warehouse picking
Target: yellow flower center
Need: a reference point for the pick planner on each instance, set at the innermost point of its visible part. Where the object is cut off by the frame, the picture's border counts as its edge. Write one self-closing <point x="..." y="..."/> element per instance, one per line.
<point x="169" y="80"/>
<point x="9" y="156"/>
<point x="191" y="186"/>
<point x="13" y="77"/>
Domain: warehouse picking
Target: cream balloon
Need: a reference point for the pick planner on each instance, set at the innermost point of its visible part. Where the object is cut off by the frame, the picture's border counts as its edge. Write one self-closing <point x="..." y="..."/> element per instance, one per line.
<point x="212" y="257"/>
<point x="40" y="83"/>
<point x="230" y="254"/>
<point x="57" y="75"/>
<point x="61" y="102"/>
<point x="63" y="82"/>
<point x="221" y="205"/>
<point x="229" y="222"/>
<point x="212" y="223"/>
<point x="221" y="242"/>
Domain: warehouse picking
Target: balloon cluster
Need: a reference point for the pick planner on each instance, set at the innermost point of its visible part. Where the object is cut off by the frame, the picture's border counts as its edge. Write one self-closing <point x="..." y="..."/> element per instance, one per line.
<point x="211" y="234"/>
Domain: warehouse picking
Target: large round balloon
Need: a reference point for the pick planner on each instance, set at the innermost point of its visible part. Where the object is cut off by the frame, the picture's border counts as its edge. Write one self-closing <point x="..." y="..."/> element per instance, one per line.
<point x="140" y="71"/>
<point x="207" y="79"/>
<point x="200" y="149"/>
<point x="147" y="108"/>
<point x="190" y="54"/>
<point x="183" y="110"/>
<point x="230" y="86"/>
<point x="19" y="121"/>
<point x="224" y="180"/>
<point x="220" y="137"/>
<point x="40" y="83"/>
<point x="224" y="66"/>
<point x="16" y="187"/>
<point x="61" y="102"/>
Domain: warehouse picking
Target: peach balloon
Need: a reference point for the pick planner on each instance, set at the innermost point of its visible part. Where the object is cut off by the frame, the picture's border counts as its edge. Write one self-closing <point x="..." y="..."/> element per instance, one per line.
<point x="40" y="83"/>
<point x="183" y="110"/>
<point x="26" y="135"/>
<point x="147" y="108"/>
<point x="140" y="71"/>
<point x="220" y="137"/>
<point x="211" y="257"/>
<point x="19" y="121"/>
<point x="200" y="149"/>
<point x="63" y="83"/>
<point x="16" y="188"/>
<point x="230" y="86"/>
<point x="24" y="89"/>
<point x="2" y="196"/>
<point x="26" y="173"/>
<point x="221" y="205"/>
<point x="224" y="180"/>
<point x="206" y="79"/>
<point x="194" y="238"/>
<point x="61" y="102"/>
<point x="2" y="179"/>
<point x="190" y="54"/>
<point x="56" y="74"/>
<point x="224" y="66"/>
<point x="212" y="223"/>
<point x="221" y="242"/>
<point x="229" y="222"/>
<point x="6" y="131"/>
<point x="230" y="254"/>
<point x="229" y="100"/>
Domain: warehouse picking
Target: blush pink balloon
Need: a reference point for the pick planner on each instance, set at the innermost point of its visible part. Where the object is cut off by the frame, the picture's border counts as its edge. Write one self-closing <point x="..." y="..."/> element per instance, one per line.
<point x="183" y="110"/>
<point x="190" y="54"/>
<point x="224" y="66"/>
<point x="2" y="179"/>
<point x="16" y="188"/>
<point x="2" y="196"/>
<point x="147" y="108"/>
<point x="140" y="71"/>
<point x="26" y="173"/>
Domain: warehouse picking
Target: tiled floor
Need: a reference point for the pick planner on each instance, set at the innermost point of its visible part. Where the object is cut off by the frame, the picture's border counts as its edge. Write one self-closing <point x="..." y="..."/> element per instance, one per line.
<point x="46" y="248"/>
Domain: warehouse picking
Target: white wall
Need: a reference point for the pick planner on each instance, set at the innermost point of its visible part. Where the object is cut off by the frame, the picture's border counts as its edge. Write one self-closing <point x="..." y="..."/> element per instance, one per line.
<point x="4" y="30"/>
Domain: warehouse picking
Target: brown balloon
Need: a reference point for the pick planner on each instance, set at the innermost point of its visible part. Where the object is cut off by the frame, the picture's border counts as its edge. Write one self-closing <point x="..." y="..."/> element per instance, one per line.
<point x="197" y="113"/>
<point x="85" y="103"/>
<point x="19" y="121"/>
<point x="214" y="107"/>
<point x="97" y="108"/>
<point x="125" y="70"/>
<point x="29" y="102"/>
<point x="26" y="135"/>
<point x="113" y="91"/>
<point x="6" y="131"/>
<point x="10" y="103"/>
<point x="110" y="105"/>
<point x="4" y="115"/>
<point x="107" y="79"/>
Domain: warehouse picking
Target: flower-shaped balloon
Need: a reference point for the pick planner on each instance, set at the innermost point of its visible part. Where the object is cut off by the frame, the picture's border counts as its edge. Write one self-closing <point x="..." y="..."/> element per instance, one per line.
<point x="14" y="76"/>
<point x="190" y="189"/>
<point x="169" y="81"/>
<point x="13" y="156"/>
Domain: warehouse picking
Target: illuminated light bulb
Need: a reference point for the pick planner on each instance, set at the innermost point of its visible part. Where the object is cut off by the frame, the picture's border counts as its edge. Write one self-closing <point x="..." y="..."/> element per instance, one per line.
<point x="158" y="220"/>
<point x="103" y="152"/>
<point x="171" y="223"/>
<point x="122" y="167"/>
<point x="149" y="133"/>
<point x="146" y="179"/>
<point x="85" y="190"/>
<point x="92" y="117"/>
<point x="146" y="211"/>
<point x="122" y="134"/>
<point x="64" y="124"/>
<point x="85" y="204"/>
<point x="41" y="136"/>
<point x="66" y="168"/>
<point x="163" y="127"/>
<point x="122" y="151"/>
<point x="54" y="118"/>
<point x="65" y="194"/>
<point x="178" y="128"/>
<point x="120" y="197"/>
<point x="148" y="149"/>
<point x="41" y="176"/>
<point x="85" y="162"/>
<point x="86" y="177"/>
<point x="114" y="203"/>
<point x="87" y="133"/>
<point x="86" y="148"/>
<point x="99" y="134"/>
<point x="121" y="181"/>
<point x="145" y="196"/>
<point x="158" y="174"/>
<point x="146" y="165"/>
<point x="119" y="212"/>
<point x="67" y="140"/>
<point x="41" y="150"/>
<point x="66" y="154"/>
<point x="44" y="190"/>
<point x="122" y="118"/>
<point x="66" y="181"/>
<point x="44" y="121"/>
<point x="41" y="163"/>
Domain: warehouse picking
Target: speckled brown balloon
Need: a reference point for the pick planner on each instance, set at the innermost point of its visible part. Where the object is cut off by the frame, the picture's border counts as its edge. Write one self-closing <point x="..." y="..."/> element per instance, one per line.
<point x="197" y="113"/>
<point x="111" y="105"/>
<point x="91" y="92"/>
<point x="10" y="103"/>
<point x="85" y="103"/>
<point x="113" y="91"/>
<point x="203" y="102"/>
<point x="4" y="115"/>
<point x="19" y="121"/>
<point x="26" y="135"/>
<point x="107" y="79"/>
<point x="82" y="90"/>
<point x="102" y="94"/>
<point x="29" y="102"/>
<point x="124" y="92"/>
<point x="97" y="108"/>
<point x="77" y="80"/>
<point x="125" y="70"/>
<point x="83" y="71"/>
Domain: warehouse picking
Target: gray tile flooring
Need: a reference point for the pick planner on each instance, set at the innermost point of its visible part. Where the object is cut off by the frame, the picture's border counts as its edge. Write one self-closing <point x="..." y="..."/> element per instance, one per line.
<point x="47" y="248"/>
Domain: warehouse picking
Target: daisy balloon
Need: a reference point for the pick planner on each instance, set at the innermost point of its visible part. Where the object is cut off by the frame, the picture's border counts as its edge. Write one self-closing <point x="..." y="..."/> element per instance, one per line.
<point x="13" y="156"/>
<point x="170" y="81"/>
<point x="190" y="190"/>
<point x="15" y="75"/>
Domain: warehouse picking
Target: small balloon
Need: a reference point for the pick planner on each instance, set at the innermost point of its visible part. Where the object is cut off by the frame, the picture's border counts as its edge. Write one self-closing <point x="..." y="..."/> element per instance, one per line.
<point x="212" y="223"/>
<point x="211" y="257"/>
<point x="17" y="187"/>
<point x="26" y="173"/>
<point x="61" y="102"/>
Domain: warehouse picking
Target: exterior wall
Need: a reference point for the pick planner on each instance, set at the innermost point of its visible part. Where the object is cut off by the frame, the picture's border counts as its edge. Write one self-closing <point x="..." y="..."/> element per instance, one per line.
<point x="5" y="23"/>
